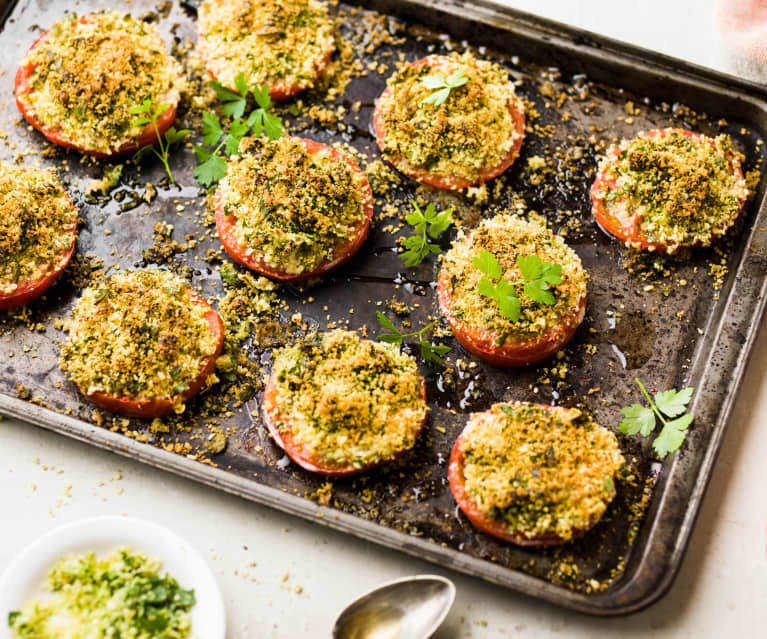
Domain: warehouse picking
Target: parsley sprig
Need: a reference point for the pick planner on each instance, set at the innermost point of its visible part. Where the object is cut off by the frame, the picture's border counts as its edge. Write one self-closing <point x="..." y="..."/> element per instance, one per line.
<point x="426" y="224"/>
<point x="537" y="278"/>
<point x="211" y="165"/>
<point x="441" y="86"/>
<point x="148" y="114"/>
<point x="429" y="353"/>
<point x="670" y="408"/>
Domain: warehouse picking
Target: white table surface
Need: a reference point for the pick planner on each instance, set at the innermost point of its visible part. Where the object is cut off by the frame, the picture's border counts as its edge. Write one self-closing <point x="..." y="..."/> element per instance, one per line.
<point x="284" y="578"/>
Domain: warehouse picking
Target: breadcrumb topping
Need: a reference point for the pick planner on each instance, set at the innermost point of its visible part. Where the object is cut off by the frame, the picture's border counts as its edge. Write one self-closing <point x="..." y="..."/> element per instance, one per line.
<point x="507" y="236"/>
<point x="37" y="220"/>
<point x="293" y="207"/>
<point x="471" y="131"/>
<point x="88" y="73"/>
<point x="347" y="400"/>
<point x="685" y="189"/>
<point x="540" y="469"/>
<point x="139" y="334"/>
<point x="279" y="43"/>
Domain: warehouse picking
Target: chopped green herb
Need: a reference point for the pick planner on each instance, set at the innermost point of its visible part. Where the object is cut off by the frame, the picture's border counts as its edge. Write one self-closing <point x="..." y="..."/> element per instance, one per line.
<point x="430" y="353"/>
<point x="211" y="165"/>
<point x="148" y="115"/>
<point x="427" y="224"/>
<point x="671" y="404"/>
<point x="538" y="277"/>
<point x="441" y="86"/>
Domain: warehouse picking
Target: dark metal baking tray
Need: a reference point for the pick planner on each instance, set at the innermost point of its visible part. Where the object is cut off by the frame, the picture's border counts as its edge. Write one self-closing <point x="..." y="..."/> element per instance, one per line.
<point x="669" y="334"/>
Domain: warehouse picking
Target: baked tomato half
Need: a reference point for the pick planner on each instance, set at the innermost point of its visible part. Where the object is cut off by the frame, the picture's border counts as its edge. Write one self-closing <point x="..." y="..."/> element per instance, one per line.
<point x="142" y="343"/>
<point x="534" y="475"/>
<point x="527" y="262"/>
<point x="285" y="45"/>
<point x="292" y="209"/>
<point x="462" y="137"/>
<point x="80" y="79"/>
<point x="669" y="189"/>
<point x="38" y="231"/>
<point x="339" y="405"/>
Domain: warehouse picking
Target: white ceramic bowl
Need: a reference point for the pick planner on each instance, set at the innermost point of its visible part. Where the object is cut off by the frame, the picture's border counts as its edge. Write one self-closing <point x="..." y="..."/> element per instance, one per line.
<point x="26" y="574"/>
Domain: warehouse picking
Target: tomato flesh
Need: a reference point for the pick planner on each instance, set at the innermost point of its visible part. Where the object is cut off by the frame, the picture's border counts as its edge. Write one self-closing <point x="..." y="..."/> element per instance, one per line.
<point x="344" y="251"/>
<point x="513" y="352"/>
<point x="437" y="180"/>
<point x="162" y="406"/>
<point x="481" y="520"/>
<point x="296" y="450"/>
<point x="625" y="226"/>
<point x="22" y="87"/>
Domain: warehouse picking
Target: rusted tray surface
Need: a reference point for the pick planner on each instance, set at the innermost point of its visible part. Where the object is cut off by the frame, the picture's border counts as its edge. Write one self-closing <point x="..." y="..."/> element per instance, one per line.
<point x="668" y="333"/>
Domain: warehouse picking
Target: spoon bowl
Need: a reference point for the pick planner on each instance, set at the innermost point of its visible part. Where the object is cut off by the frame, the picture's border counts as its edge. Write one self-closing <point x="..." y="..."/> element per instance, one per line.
<point x="408" y="608"/>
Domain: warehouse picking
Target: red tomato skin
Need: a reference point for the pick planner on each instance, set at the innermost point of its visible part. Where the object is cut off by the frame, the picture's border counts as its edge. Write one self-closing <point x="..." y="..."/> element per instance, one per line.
<point x="158" y="406"/>
<point x="345" y="252"/>
<point x="145" y="138"/>
<point x="627" y="229"/>
<point x="33" y="289"/>
<point x="481" y="520"/>
<point x="513" y="353"/>
<point x="448" y="182"/>
<point x="295" y="451"/>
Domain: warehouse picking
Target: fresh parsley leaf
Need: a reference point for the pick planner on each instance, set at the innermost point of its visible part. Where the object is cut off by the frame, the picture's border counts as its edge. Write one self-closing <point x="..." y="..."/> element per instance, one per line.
<point x="172" y="135"/>
<point x="672" y="436"/>
<point x="486" y="288"/>
<point x="442" y="86"/>
<point x="272" y="126"/>
<point x="538" y="291"/>
<point x="148" y="116"/>
<point x="487" y="264"/>
<point x="430" y="354"/>
<point x="261" y="94"/>
<point x="433" y="82"/>
<point x="234" y="102"/>
<point x="386" y="322"/>
<point x="237" y="131"/>
<point x="673" y="403"/>
<point x="211" y="165"/>
<point x="551" y="273"/>
<point x="211" y="170"/>
<point x="637" y="419"/>
<point x="426" y="224"/>
<point x="211" y="128"/>
<point x="531" y="266"/>
<point x="510" y="306"/>
<point x="438" y="97"/>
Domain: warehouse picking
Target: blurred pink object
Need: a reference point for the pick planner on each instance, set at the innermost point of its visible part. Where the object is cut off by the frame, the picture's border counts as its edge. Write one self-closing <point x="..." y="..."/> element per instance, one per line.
<point x="742" y="25"/>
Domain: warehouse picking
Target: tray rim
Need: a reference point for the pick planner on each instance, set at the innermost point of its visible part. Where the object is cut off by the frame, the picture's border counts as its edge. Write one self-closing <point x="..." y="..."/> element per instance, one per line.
<point x="622" y="600"/>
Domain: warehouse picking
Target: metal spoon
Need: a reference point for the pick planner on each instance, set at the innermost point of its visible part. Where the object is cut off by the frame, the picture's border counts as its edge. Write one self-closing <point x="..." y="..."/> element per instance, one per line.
<point x="409" y="608"/>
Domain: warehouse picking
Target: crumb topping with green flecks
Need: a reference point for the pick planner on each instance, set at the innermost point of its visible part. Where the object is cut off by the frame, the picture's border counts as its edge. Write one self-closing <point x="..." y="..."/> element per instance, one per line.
<point x="140" y="334"/>
<point x="292" y="207"/>
<point x="277" y="43"/>
<point x="470" y="131"/>
<point x="37" y="223"/>
<point x="88" y="73"/>
<point x="348" y="401"/>
<point x="507" y="236"/>
<point x="541" y="470"/>
<point x="685" y="189"/>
